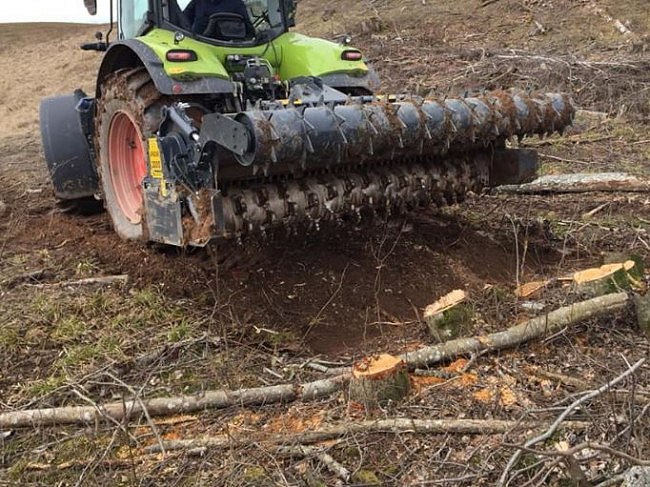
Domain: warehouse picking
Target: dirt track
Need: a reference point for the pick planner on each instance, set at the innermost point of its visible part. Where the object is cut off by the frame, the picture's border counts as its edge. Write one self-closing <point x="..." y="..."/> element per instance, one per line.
<point x="342" y="292"/>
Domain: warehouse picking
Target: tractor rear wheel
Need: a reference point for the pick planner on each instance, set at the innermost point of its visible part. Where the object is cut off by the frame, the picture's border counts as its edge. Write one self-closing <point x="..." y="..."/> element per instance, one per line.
<point x="128" y="113"/>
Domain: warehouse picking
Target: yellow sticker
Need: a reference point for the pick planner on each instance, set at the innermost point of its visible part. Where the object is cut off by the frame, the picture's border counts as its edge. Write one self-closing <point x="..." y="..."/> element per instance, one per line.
<point x="176" y="70"/>
<point x="155" y="161"/>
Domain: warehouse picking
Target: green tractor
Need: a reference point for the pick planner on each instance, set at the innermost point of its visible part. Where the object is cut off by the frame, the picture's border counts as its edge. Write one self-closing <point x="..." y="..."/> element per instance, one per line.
<point x="211" y="119"/>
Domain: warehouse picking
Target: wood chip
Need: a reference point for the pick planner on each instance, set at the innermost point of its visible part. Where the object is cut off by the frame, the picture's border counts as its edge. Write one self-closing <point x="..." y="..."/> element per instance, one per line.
<point x="530" y="288"/>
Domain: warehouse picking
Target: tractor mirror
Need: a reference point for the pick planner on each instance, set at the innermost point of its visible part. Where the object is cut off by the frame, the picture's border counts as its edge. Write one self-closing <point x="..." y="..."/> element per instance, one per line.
<point x="91" y="6"/>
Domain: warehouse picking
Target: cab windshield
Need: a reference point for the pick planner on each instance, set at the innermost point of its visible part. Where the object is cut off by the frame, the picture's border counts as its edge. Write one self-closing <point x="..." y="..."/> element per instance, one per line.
<point x="231" y="21"/>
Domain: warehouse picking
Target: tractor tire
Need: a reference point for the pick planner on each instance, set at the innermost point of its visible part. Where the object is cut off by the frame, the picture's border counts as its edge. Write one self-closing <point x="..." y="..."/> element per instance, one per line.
<point x="128" y="112"/>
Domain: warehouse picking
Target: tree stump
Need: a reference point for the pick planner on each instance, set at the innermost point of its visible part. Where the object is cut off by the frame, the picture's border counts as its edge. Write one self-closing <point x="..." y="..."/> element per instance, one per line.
<point x="377" y="380"/>
<point x="446" y="317"/>
<point x="609" y="278"/>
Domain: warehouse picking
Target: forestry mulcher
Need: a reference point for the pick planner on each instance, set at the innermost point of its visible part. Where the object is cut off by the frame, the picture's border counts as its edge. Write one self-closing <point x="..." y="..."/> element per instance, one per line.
<point x="211" y="119"/>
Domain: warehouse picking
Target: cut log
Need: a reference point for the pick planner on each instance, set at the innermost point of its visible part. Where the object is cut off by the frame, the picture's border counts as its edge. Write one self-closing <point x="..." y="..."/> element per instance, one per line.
<point x="378" y="380"/>
<point x="167" y="406"/>
<point x="446" y="317"/>
<point x="579" y="183"/>
<point x="608" y="278"/>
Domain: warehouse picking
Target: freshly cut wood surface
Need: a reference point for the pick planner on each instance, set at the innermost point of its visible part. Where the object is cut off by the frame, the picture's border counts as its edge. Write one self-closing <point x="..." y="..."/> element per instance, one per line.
<point x="377" y="367"/>
<point x="602" y="271"/>
<point x="530" y="288"/>
<point x="444" y="303"/>
<point x="378" y="380"/>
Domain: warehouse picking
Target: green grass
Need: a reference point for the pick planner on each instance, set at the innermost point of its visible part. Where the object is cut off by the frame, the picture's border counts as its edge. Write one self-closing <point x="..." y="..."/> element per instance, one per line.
<point x="76" y="332"/>
<point x="44" y="387"/>
<point x="69" y="329"/>
<point x="86" y="268"/>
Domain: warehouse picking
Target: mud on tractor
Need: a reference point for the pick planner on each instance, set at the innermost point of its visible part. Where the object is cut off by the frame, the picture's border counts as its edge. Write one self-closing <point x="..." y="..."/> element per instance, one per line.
<point x="219" y="123"/>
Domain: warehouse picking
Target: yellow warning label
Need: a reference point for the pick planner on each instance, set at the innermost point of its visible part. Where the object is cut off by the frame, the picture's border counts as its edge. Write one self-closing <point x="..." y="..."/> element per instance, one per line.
<point x="177" y="70"/>
<point x="155" y="161"/>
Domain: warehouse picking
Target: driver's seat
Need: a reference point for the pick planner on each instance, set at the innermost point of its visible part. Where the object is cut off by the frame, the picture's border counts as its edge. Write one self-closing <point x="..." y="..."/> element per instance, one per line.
<point x="229" y="26"/>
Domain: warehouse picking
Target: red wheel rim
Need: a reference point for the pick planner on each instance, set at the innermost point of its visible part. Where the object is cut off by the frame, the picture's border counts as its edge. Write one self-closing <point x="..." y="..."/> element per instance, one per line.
<point x="127" y="165"/>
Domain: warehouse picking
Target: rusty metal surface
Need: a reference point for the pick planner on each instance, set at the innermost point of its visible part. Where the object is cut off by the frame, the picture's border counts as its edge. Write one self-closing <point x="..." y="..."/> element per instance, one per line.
<point x="359" y="132"/>
<point x="329" y="197"/>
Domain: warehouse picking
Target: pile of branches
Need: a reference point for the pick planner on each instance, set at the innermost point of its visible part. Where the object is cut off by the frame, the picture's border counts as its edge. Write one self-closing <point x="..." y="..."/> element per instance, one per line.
<point x="614" y="85"/>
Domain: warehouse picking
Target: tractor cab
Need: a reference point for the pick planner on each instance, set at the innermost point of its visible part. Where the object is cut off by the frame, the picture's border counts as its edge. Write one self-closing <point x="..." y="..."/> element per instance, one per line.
<point x="220" y="22"/>
<point x="231" y="21"/>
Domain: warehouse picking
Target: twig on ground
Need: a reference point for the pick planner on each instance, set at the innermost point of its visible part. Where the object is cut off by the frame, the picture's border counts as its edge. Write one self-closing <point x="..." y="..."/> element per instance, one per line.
<point x="307" y="451"/>
<point x="549" y="432"/>
<point x="573" y="139"/>
<point x="584" y="446"/>
<point x="564" y="379"/>
<point x="91" y="281"/>
<point x="145" y="411"/>
<point x="571" y="161"/>
<point x="598" y="209"/>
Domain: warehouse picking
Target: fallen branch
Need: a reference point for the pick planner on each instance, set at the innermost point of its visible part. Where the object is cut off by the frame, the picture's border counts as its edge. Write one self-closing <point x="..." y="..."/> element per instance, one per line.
<point x="91" y="281"/>
<point x="553" y="428"/>
<point x="394" y="426"/>
<point x="516" y="335"/>
<point x="570" y="161"/>
<point x="167" y="406"/>
<point x="308" y="451"/>
<point x="578" y="183"/>
<point x="588" y="445"/>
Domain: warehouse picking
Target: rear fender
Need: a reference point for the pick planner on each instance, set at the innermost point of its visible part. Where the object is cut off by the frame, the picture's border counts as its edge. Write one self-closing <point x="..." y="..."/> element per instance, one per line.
<point x="131" y="53"/>
<point x="67" y="132"/>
